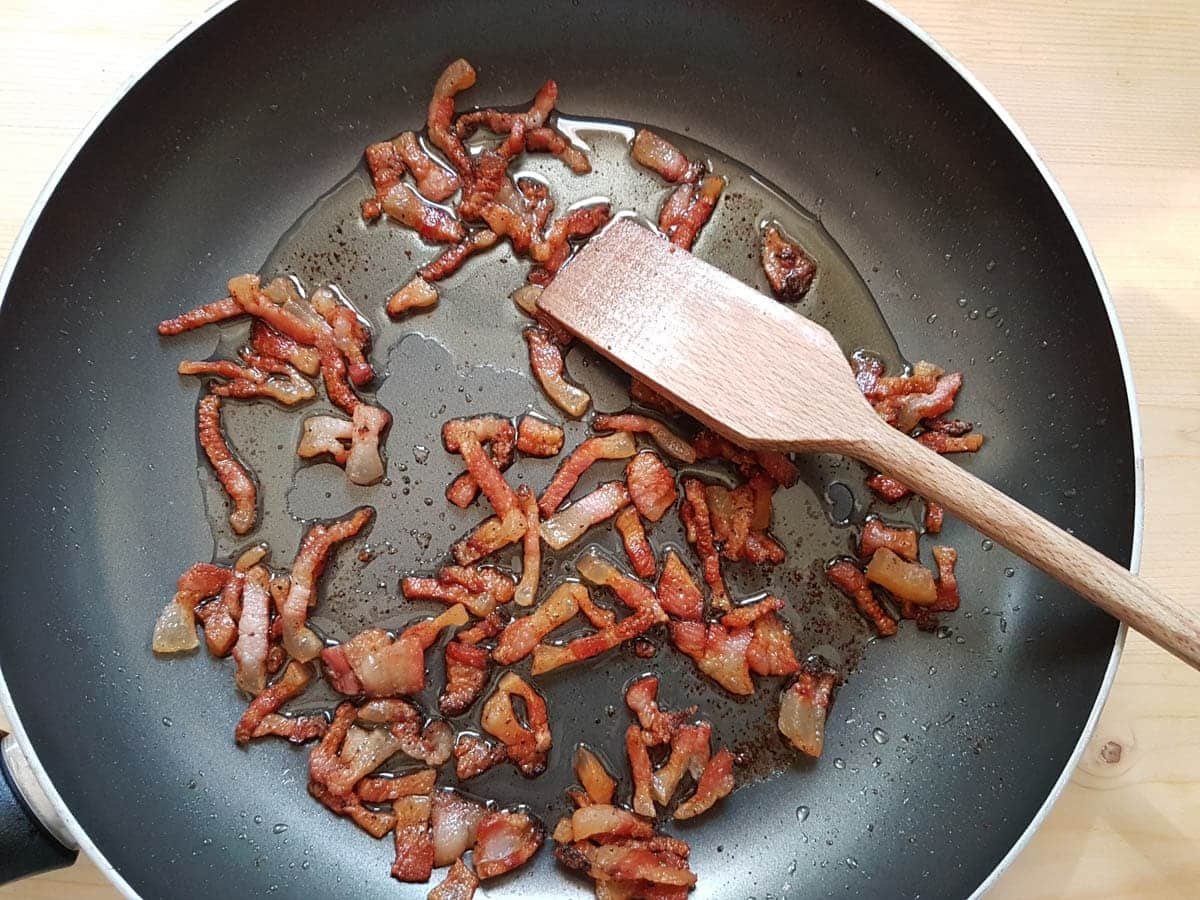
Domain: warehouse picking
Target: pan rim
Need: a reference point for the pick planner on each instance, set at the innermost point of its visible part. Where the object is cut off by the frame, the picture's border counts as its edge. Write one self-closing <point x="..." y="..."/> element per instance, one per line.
<point x="76" y="830"/>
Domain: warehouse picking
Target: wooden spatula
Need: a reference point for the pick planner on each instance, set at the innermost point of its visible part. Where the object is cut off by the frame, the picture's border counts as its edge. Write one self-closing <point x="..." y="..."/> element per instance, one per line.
<point x="767" y="378"/>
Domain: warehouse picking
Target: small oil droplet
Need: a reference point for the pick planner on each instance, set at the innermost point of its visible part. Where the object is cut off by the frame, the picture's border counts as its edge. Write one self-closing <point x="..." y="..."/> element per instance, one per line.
<point x="421" y="454"/>
<point x="986" y="544"/>
<point x="1010" y="572"/>
<point x="167" y="723"/>
<point x="962" y="301"/>
<point x="839" y="763"/>
<point x="280" y="828"/>
<point x="258" y="820"/>
<point x="802" y="813"/>
<point x="879" y="736"/>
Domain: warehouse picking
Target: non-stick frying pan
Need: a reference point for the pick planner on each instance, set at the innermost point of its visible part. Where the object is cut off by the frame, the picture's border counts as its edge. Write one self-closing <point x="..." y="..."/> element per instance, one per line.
<point x="935" y="197"/>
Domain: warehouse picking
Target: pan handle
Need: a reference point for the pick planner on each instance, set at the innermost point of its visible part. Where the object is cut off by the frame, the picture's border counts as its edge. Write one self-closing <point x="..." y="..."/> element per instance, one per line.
<point x="27" y="846"/>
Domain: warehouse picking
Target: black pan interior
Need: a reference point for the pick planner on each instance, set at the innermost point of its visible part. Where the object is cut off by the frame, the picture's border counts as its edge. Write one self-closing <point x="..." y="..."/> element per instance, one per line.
<point x="223" y="145"/>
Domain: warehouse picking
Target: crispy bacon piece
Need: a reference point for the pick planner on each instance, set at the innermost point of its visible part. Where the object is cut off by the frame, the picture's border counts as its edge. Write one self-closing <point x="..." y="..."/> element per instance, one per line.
<point x="849" y="579"/>
<point x="905" y="411"/>
<point x="906" y="581"/>
<point x="431" y="742"/>
<point x="615" y="446"/>
<point x="459" y="884"/>
<point x="698" y="528"/>
<point x="803" y="706"/>
<point x="710" y="445"/>
<point x="489" y="536"/>
<point x="234" y="478"/>
<point x="770" y="651"/>
<point x="596" y="569"/>
<point x="552" y="251"/>
<point x="505" y="841"/>
<point x="208" y="314"/>
<point x="715" y="783"/>
<point x="299" y="641"/>
<point x="374" y="664"/>
<point x="376" y="824"/>
<point x="467" y="666"/>
<point x="347" y="753"/>
<point x="568" y="525"/>
<point x="546" y="361"/>
<point x="431" y="222"/>
<point x="538" y="437"/>
<point x="547" y="657"/>
<point x="651" y="485"/>
<point x="254" y="379"/>
<point x="641" y="772"/>
<point x="488" y="477"/>
<point x="637" y="547"/>
<point x="386" y="788"/>
<point x="531" y="557"/>
<point x="668" y="441"/>
<point x="789" y="269"/>
<point x="456" y="78"/>
<point x="876" y="534"/>
<point x="521" y="635"/>
<point x="719" y="652"/>
<point x="416" y="294"/>
<point x="253" y="632"/>
<point x="494" y="431"/>
<point x="528" y="743"/>
<point x="688" y="208"/>
<point x="547" y="140"/>
<point x="605" y="819"/>
<point x="474" y="755"/>
<point x="600" y="617"/>
<point x="502" y="123"/>
<point x="220" y="615"/>
<point x="940" y="442"/>
<point x="644" y="395"/>
<point x="690" y="754"/>
<point x="455" y="819"/>
<point x="491" y="588"/>
<point x="657" y="725"/>
<point x="935" y="515"/>
<point x="452" y="259"/>
<point x="888" y="488"/>
<point x="661" y="156"/>
<point x="631" y="868"/>
<point x="947" y="584"/>
<point x="291" y="684"/>
<point x="414" y="839"/>
<point x="732" y="515"/>
<point x="432" y="180"/>
<point x="600" y="786"/>
<point x="266" y="341"/>
<point x="677" y="590"/>
<point x="386" y="167"/>
<point x="295" y="729"/>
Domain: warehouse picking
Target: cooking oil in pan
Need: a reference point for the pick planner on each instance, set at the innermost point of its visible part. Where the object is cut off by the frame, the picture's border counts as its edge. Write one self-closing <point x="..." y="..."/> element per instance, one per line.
<point x="466" y="357"/>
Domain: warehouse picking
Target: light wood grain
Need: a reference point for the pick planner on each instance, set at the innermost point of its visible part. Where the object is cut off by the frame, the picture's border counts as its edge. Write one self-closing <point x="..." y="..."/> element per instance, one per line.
<point x="1109" y="92"/>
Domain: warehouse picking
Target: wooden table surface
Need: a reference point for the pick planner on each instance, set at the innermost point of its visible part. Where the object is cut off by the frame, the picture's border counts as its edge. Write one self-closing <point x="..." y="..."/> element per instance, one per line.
<point x="1109" y="93"/>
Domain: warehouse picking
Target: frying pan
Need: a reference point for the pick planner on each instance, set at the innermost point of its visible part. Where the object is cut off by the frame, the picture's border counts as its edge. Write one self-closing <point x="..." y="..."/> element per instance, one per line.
<point x="926" y="184"/>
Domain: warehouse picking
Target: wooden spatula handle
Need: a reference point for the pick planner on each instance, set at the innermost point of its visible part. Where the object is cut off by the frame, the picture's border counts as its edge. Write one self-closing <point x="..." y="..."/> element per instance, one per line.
<point x="1004" y="520"/>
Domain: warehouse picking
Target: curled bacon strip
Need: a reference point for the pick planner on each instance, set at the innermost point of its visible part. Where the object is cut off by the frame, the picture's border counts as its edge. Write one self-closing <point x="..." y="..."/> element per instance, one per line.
<point x="416" y="294"/>
<point x="849" y="579"/>
<point x="208" y="314"/>
<point x="715" y="783"/>
<point x="789" y="269"/>
<point x="657" y="725"/>
<point x="905" y="411"/>
<point x="474" y="755"/>
<point x="386" y="168"/>
<point x="234" y="478"/>
<point x="489" y="536"/>
<point x="467" y="666"/>
<point x="175" y="630"/>
<point x="677" y="590"/>
<point x="266" y="341"/>
<point x="668" y="441"/>
<point x="414" y="839"/>
<point x="326" y="435"/>
<point x="254" y="379"/>
<point x="502" y="123"/>
<point x="455" y="820"/>
<point x="802" y="708"/>
<point x="295" y="729"/>
<point x="732" y="516"/>
<point x="615" y="446"/>
<point x="947" y="584"/>
<point x="456" y="78"/>
<point x="546" y="361"/>
<point x="547" y="140"/>
<point x="433" y="181"/>
<point x="637" y="547"/>
<point x="528" y="744"/>
<point x="698" y="528"/>
<point x="494" y="431"/>
<point x="291" y="684"/>
<point x="459" y="884"/>
<point x="431" y="222"/>
<point x="547" y="657"/>
<point x="876" y="534"/>
<point x="521" y="635"/>
<point x="538" y="437"/>
<point x="253" y="632"/>
<point x="641" y="772"/>
<point x="299" y="641"/>
<point x="372" y="663"/>
<point x="220" y="616"/>
<point x="568" y="525"/>
<point x="688" y="208"/>
<point x="553" y="250"/>
<point x="505" y="841"/>
<point x="719" y="652"/>
<point x="596" y="569"/>
<point x="690" y="753"/>
<point x="651" y="485"/>
<point x="940" y="442"/>
<point x="490" y="588"/>
<point x="935" y="515"/>
<point x="661" y="156"/>
<point x="451" y="260"/>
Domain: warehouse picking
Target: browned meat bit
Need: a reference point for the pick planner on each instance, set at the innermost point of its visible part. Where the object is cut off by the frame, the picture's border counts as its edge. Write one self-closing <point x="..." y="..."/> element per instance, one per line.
<point x="521" y="635"/>
<point x="474" y="755"/>
<point x="431" y="222"/>
<point x="220" y="616"/>
<point x="596" y="781"/>
<point x="547" y="140"/>
<point x="849" y="579"/>
<point x="538" y="437"/>
<point x="528" y="745"/>
<point x="935" y="515"/>
<point x="467" y="666"/>
<point x="414" y="839"/>
<point x="234" y="478"/>
<point x="657" y="724"/>
<point x="257" y="377"/>
<point x="568" y="525"/>
<point x="876" y="534"/>
<point x="940" y="442"/>
<point x="290" y="685"/>
<point x="294" y="729"/>
<point x="888" y="488"/>
<point x="637" y="547"/>
<point x="386" y="169"/>
<point x="496" y="432"/>
<point x="710" y="445"/>
<point x="641" y="772"/>
<point x="481" y="595"/>
<point x="732" y="515"/>
<point x="803" y="706"/>
<point x="451" y="260"/>
<point x="531" y="548"/>
<point x="459" y="884"/>
<point x="432" y="180"/>
<point x="770" y="649"/>
<point x="789" y="269"/>
<point x="457" y="77"/>
<point x="715" y="782"/>
<point x="210" y="313"/>
<point x="698" y="527"/>
<point x="417" y="294"/>
<point x="546" y="361"/>
<point x="687" y="210"/>
<point x="175" y="630"/>
<point x="719" y="652"/>
<point x="677" y="590"/>
<point x="667" y="440"/>
<point x="947" y="585"/>
<point x="266" y="341"/>
<point x="615" y="446"/>
<point x="661" y="156"/>
<point x="547" y="657"/>
<point x="505" y="841"/>
<point x="552" y="251"/>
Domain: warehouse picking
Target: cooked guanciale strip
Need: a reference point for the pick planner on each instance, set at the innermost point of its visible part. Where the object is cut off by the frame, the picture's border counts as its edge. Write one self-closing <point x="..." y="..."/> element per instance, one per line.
<point x="547" y="657"/>
<point x="489" y="536"/>
<point x="876" y="534"/>
<point x="678" y="592"/>
<point x="531" y="546"/>
<point x="295" y="729"/>
<point x="803" y="706"/>
<point x="594" y="568"/>
<point x="385" y="789"/>
<point x="298" y="639"/>
<point x="940" y="442"/>
<point x="452" y="258"/>
<point x="905" y="411"/>
<point x="234" y="478"/>
<point x="495" y="432"/>
<point x="947" y="583"/>
<point x="253" y="632"/>
<point x="568" y="525"/>
<point x="657" y="725"/>
<point x="615" y="446"/>
<point x="459" y="884"/>
<point x="546" y="361"/>
<point x="651" y="485"/>
<point x="348" y="753"/>
<point x="175" y="630"/>
<point x="547" y="140"/>
<point x="474" y="755"/>
<point x="538" y="437"/>
<point x="528" y="745"/>
<point x="633" y="535"/>
<point x="374" y="823"/>
<point x="770" y="651"/>
<point x="553" y="250"/>
<point x="849" y="579"/>
<point x="411" y="210"/>
<point x="430" y="741"/>
<point x="256" y="378"/>
<point x="935" y="515"/>
<point x="521" y="635"/>
<point x="690" y="753"/>
<point x="467" y="666"/>
<point x="732" y="515"/>
<point x="208" y="314"/>
<point x="661" y="156"/>
<point x="414" y="839"/>
<point x="790" y="271"/>
<point x="641" y="771"/>
<point x="454" y="819"/>
<point x="719" y="652"/>
<point x="688" y="208"/>
<point x="374" y="664"/>
<point x="433" y="181"/>
<point x="417" y="293"/>
<point x="493" y="588"/>
<point x="716" y="782"/>
<point x="710" y="445"/>
<point x="668" y="441"/>
<point x="291" y="684"/>
<point x="697" y="525"/>
<point x="266" y="341"/>
<point x="353" y="445"/>
<point x="219" y="616"/>
<point x="506" y="841"/>
<point x="596" y="780"/>
<point x="906" y="581"/>
<point x="888" y="488"/>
